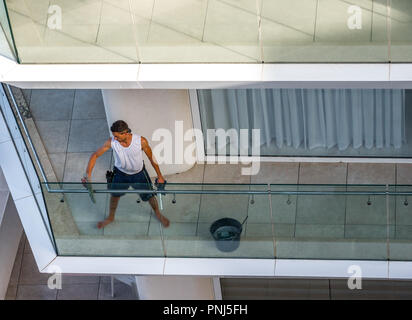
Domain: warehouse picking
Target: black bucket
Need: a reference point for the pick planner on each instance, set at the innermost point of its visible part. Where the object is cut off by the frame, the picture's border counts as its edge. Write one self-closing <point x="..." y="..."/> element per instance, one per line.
<point x="226" y="233"/>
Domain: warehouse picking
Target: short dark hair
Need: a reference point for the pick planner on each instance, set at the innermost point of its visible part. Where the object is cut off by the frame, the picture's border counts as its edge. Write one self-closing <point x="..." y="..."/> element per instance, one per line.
<point x="119" y="126"/>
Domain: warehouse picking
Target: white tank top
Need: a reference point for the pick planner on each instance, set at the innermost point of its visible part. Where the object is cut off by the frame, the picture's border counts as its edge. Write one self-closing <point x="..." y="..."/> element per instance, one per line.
<point x="128" y="159"/>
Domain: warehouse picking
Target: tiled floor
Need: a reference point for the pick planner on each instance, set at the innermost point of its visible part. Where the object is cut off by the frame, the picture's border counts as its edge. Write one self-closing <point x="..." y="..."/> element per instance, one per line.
<point x="314" y="289"/>
<point x="27" y="283"/>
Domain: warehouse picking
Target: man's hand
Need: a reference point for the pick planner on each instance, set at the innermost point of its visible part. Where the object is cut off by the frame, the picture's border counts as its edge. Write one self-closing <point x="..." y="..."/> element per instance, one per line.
<point x="160" y="180"/>
<point x="85" y="180"/>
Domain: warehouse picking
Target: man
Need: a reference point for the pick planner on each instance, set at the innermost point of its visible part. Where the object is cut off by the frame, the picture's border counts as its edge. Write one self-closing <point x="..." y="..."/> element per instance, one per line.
<point x="129" y="169"/>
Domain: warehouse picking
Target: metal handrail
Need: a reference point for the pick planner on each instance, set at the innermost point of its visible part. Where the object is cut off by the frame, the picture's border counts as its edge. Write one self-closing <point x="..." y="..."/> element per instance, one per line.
<point x="251" y="192"/>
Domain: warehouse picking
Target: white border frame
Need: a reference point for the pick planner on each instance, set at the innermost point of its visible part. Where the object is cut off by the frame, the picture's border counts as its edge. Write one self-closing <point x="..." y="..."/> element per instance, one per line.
<point x="24" y="198"/>
<point x="221" y="267"/>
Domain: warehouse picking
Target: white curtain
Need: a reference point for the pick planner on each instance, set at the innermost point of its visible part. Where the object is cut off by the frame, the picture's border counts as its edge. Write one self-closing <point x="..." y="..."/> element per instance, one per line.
<point x="310" y="118"/>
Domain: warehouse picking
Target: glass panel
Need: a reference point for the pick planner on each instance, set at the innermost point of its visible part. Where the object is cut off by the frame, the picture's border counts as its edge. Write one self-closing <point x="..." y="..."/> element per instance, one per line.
<point x="73" y="31"/>
<point x="6" y="39"/>
<point x="324" y="31"/>
<point x="219" y="222"/>
<point x="401" y="24"/>
<point x="328" y="224"/>
<point x="401" y="244"/>
<point x="76" y="223"/>
<point x="370" y="221"/>
<point x="197" y="31"/>
<point x="284" y="210"/>
<point x="207" y="31"/>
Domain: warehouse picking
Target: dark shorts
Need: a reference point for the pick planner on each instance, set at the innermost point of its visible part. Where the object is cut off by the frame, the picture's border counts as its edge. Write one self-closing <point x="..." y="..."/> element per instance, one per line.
<point x="138" y="181"/>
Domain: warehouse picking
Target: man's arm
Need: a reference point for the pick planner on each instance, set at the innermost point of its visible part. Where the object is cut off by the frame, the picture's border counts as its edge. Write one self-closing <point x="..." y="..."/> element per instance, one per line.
<point x="92" y="161"/>
<point x="146" y="148"/>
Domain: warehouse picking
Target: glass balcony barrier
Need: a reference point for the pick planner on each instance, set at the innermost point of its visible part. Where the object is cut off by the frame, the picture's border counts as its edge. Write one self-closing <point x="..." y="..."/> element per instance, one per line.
<point x="7" y="48"/>
<point x="333" y="222"/>
<point x="211" y="31"/>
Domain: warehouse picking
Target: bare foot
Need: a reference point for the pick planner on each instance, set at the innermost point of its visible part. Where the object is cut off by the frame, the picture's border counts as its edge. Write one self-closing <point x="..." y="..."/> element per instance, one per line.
<point x="165" y="222"/>
<point x="104" y="223"/>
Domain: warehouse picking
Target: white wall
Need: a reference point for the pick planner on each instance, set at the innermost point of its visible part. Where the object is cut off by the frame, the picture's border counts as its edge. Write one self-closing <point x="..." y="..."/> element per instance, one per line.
<point x="10" y="233"/>
<point x="147" y="110"/>
<point x="175" y="288"/>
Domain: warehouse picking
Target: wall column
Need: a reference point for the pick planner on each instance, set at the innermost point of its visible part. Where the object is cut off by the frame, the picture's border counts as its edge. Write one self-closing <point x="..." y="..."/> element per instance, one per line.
<point x="146" y="111"/>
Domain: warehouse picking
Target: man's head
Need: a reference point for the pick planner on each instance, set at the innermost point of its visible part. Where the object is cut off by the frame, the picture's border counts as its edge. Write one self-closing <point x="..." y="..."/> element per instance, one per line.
<point x="120" y="130"/>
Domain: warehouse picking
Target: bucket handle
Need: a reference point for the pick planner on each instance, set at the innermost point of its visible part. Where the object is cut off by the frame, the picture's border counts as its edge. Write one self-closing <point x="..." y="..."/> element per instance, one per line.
<point x="244" y="220"/>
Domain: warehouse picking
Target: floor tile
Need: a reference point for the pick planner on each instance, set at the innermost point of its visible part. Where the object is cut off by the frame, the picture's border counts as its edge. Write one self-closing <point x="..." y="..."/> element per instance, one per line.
<point x="297" y="289"/>
<point x="284" y="206"/>
<point x="284" y="230"/>
<point x="117" y="228"/>
<point x="121" y="291"/>
<point x="27" y="95"/>
<point x="319" y="231"/>
<point x="117" y="246"/>
<point x="89" y="228"/>
<point x="322" y="173"/>
<point x="88" y="135"/>
<point x="58" y="161"/>
<point x="186" y="208"/>
<point x="224" y="173"/>
<point x="403" y="232"/>
<point x="79" y="279"/>
<point x="369" y="232"/>
<point x="259" y="211"/>
<point x="88" y="104"/>
<point x="128" y="210"/>
<point x="51" y="104"/>
<point x="371" y="173"/>
<point x="11" y="293"/>
<point x="321" y="209"/>
<point x="217" y="206"/>
<point x="175" y="230"/>
<point x="55" y="135"/>
<point x="277" y="173"/>
<point x="78" y="292"/>
<point x="193" y="175"/>
<point x="259" y="230"/>
<point x="400" y="250"/>
<point x="359" y="211"/>
<point x="329" y="249"/>
<point x="404" y="173"/>
<point x="206" y="247"/>
<point x="15" y="274"/>
<point x="27" y="248"/>
<point x="76" y="165"/>
<point x="30" y="274"/>
<point x="371" y="290"/>
<point x="35" y="292"/>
